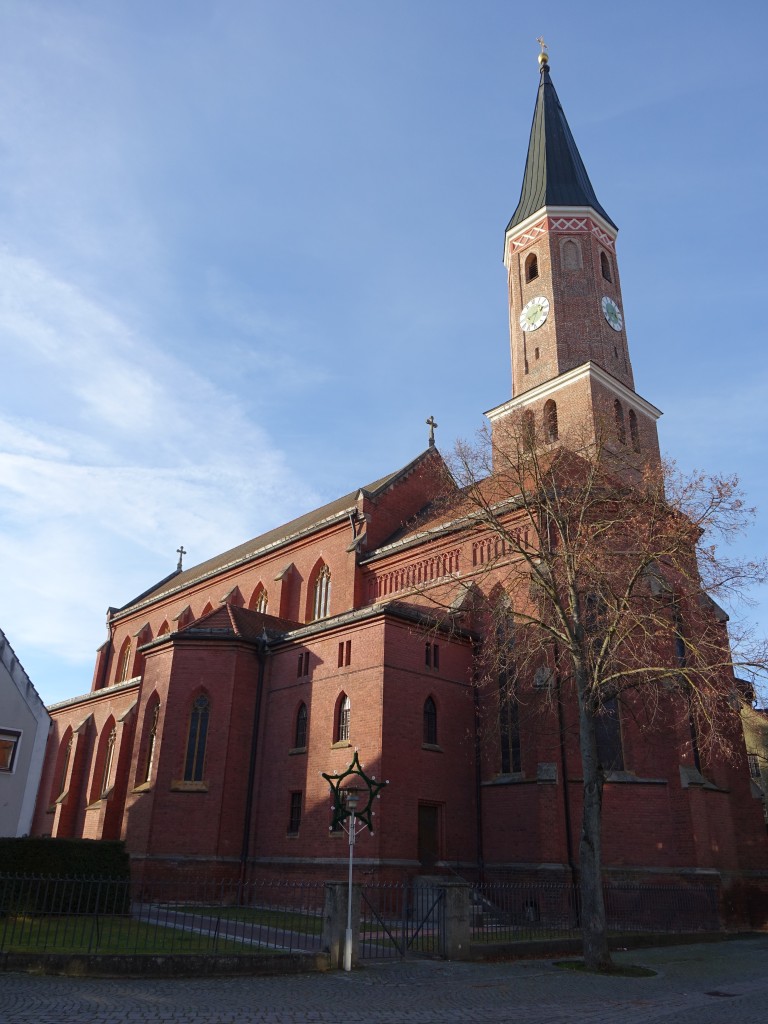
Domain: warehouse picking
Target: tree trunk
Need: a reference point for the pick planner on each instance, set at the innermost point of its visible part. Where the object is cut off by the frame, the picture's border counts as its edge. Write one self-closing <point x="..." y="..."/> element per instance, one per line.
<point x="593" y="923"/>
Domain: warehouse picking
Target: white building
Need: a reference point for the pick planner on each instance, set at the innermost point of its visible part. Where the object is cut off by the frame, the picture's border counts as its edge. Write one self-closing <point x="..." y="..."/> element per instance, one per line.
<point x="24" y="726"/>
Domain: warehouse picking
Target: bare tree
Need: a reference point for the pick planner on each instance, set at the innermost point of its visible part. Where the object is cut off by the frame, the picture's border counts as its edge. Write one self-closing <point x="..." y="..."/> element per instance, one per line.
<point x="605" y="572"/>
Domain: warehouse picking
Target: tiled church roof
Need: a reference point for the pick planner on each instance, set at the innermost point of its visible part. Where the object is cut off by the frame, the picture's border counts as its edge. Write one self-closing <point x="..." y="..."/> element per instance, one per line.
<point x="272" y="538"/>
<point x="240" y="622"/>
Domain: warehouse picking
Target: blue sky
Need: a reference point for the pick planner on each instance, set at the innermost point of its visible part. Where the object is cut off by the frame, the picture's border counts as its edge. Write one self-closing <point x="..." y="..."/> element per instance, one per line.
<point x="247" y="248"/>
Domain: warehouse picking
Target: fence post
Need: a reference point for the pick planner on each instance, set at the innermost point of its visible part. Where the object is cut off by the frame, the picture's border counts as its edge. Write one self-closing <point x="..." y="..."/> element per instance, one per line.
<point x="335" y="921"/>
<point x="457" y="920"/>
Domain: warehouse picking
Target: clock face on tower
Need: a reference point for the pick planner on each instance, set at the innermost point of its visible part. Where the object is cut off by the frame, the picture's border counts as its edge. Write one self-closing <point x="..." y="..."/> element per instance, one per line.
<point x="534" y="313"/>
<point x="612" y="313"/>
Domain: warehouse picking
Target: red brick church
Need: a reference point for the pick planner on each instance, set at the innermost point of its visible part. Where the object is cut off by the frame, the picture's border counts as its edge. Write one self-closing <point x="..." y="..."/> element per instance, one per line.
<point x="226" y="689"/>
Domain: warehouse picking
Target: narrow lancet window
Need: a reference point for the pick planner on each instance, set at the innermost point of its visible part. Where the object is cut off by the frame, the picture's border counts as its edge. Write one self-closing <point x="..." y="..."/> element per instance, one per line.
<point x="300" y="736"/>
<point x="634" y="433"/>
<point x="550" y="420"/>
<point x="322" y="596"/>
<point x="430" y="721"/>
<point x="194" y="762"/>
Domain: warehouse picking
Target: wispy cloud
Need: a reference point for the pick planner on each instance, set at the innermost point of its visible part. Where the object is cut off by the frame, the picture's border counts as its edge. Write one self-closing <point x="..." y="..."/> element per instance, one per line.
<point x="112" y="452"/>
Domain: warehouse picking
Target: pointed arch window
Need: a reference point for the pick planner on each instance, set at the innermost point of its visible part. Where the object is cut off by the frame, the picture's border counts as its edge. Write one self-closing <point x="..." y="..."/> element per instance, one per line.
<point x="260" y="599"/>
<point x="149" y="760"/>
<point x="605" y="266"/>
<point x="124" y="664"/>
<point x="322" y="596"/>
<point x="509" y="720"/>
<point x="300" y="732"/>
<point x="109" y="756"/>
<point x="430" y="722"/>
<point x="681" y="658"/>
<point x="63" y="775"/>
<point x="621" y="430"/>
<point x="343" y="719"/>
<point x="194" y="762"/>
<point x="509" y="713"/>
<point x="509" y="729"/>
<point x="634" y="433"/>
<point x="532" y="267"/>
<point x="550" y="420"/>
<point x="528" y="429"/>
<point x="610" y="753"/>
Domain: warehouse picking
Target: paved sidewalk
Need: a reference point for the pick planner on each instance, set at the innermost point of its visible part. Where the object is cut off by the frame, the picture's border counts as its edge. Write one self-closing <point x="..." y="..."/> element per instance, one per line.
<point x="708" y="983"/>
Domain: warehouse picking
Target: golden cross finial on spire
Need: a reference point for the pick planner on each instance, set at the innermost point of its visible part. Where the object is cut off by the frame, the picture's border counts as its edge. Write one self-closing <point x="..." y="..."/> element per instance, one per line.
<point x="543" y="58"/>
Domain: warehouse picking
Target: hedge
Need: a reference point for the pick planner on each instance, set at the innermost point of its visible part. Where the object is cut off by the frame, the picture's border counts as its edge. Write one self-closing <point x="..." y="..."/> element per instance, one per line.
<point x="63" y="876"/>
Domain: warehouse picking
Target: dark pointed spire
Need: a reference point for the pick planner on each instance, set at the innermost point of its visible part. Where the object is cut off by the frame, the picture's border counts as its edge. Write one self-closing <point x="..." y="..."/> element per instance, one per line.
<point x="555" y="174"/>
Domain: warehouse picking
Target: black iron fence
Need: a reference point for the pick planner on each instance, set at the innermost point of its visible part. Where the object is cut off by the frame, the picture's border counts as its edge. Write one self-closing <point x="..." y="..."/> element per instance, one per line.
<point x="97" y="915"/>
<point x="107" y="916"/>
<point x="401" y="919"/>
<point x="522" y="911"/>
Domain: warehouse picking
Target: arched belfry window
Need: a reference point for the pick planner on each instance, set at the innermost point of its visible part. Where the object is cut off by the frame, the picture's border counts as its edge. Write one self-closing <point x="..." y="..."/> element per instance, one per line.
<point x="343" y="715"/>
<point x="605" y="266"/>
<point x="618" y="412"/>
<point x="634" y="433"/>
<point x="194" y="762"/>
<point x="550" y="420"/>
<point x="300" y="734"/>
<point x="430" y="721"/>
<point x="322" y="596"/>
<point x="531" y="267"/>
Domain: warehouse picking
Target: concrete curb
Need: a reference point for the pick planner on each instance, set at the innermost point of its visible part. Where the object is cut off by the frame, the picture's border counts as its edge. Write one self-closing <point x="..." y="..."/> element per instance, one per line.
<point x="148" y="966"/>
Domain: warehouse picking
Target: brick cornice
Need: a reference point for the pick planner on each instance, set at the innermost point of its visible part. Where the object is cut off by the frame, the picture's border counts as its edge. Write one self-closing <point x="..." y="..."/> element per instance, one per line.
<point x="587" y="371"/>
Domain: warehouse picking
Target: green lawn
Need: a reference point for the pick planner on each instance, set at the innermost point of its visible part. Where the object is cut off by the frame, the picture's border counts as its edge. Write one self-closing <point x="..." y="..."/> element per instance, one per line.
<point x="280" y="920"/>
<point x="115" y="935"/>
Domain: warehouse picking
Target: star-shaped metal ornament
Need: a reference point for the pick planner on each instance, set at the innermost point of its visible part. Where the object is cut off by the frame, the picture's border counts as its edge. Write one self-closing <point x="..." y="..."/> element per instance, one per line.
<point x="370" y="788"/>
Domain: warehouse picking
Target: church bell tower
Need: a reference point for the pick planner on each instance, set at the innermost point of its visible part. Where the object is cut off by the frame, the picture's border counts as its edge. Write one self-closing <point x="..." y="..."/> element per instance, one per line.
<point x="571" y="369"/>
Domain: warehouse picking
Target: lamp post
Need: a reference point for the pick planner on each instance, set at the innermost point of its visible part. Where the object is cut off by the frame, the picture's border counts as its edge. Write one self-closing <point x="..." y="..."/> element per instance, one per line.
<point x="351" y="799"/>
<point x="346" y="815"/>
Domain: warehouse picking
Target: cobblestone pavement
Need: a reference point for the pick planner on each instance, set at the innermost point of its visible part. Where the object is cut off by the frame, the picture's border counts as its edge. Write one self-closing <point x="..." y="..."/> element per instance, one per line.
<point x="699" y="984"/>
